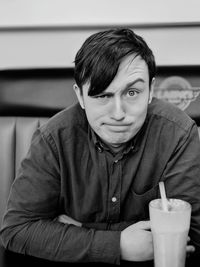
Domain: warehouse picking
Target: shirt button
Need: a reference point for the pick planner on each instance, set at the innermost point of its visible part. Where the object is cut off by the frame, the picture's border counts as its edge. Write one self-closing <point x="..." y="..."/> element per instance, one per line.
<point x="99" y="149"/>
<point x="114" y="199"/>
<point x="116" y="160"/>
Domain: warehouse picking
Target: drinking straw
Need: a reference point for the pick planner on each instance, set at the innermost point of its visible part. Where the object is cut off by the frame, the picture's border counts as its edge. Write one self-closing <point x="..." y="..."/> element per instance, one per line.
<point x="163" y="196"/>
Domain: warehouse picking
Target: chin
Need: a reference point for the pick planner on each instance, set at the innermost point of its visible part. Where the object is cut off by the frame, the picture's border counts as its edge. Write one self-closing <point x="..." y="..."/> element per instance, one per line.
<point x="116" y="142"/>
<point x="115" y="139"/>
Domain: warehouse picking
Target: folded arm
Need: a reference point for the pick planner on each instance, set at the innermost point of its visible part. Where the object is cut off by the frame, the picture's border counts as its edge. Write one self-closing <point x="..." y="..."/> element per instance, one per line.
<point x="31" y="224"/>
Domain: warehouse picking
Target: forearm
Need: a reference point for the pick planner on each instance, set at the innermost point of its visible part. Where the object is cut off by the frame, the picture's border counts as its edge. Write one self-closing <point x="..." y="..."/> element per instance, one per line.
<point x="108" y="226"/>
<point x="55" y="241"/>
<point x="63" y="218"/>
<point x="131" y="248"/>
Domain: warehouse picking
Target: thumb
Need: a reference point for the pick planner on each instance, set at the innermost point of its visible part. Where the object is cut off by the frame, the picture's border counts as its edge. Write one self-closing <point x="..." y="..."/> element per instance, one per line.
<point x="145" y="225"/>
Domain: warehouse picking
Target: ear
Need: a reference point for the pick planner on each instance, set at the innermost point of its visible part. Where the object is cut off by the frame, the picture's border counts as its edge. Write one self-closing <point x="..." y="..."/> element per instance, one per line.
<point x="79" y="95"/>
<point x="151" y="89"/>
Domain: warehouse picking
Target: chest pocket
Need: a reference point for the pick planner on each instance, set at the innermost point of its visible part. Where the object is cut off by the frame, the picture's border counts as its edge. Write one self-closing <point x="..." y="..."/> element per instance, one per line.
<point x="137" y="205"/>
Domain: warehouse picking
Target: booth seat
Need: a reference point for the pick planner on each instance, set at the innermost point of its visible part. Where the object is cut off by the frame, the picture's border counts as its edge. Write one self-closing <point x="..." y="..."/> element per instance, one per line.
<point x="28" y="97"/>
<point x="15" y="138"/>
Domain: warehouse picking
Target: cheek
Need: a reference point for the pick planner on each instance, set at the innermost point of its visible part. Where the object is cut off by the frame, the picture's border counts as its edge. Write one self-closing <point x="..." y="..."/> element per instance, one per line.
<point x="138" y="110"/>
<point x="94" y="114"/>
<point x="141" y="104"/>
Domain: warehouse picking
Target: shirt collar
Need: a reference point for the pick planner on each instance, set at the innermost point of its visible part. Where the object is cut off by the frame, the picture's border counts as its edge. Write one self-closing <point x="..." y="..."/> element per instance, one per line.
<point x="100" y="146"/>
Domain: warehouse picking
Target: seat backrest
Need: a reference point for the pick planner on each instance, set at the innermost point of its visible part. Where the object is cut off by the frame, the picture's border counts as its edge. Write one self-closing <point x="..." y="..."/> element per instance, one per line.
<point x="15" y="138"/>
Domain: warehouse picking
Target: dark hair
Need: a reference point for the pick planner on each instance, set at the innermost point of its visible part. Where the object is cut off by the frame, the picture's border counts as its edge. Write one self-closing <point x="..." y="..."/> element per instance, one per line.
<point x="99" y="58"/>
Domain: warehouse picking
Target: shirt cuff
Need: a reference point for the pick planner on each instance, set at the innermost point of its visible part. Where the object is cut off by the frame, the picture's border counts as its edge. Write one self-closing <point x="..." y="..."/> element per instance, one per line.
<point x="106" y="247"/>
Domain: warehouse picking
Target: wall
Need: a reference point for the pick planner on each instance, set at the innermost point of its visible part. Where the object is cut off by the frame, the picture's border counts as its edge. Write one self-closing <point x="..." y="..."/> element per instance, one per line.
<point x="47" y="33"/>
<point x="90" y="12"/>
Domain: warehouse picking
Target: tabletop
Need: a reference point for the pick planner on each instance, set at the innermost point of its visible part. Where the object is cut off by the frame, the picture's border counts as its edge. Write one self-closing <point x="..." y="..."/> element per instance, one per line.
<point x="10" y="259"/>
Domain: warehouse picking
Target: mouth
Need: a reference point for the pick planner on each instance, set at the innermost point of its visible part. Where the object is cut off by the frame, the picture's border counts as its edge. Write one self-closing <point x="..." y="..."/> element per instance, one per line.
<point x="116" y="127"/>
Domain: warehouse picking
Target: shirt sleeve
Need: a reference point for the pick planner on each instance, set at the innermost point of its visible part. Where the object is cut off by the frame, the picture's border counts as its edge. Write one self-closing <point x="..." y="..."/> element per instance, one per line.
<point x="109" y="226"/>
<point x="30" y="225"/>
<point x="182" y="178"/>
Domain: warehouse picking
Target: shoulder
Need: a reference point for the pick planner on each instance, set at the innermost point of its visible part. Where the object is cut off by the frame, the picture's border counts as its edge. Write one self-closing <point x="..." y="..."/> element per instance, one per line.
<point x="66" y="122"/>
<point x="168" y="113"/>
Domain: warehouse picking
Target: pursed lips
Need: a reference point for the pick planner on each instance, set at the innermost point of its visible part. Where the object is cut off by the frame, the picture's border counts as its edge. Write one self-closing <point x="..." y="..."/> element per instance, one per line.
<point x="116" y="127"/>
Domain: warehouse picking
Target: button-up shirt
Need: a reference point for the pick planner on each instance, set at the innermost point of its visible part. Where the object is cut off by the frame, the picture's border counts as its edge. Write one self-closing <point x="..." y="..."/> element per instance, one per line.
<point x="69" y="170"/>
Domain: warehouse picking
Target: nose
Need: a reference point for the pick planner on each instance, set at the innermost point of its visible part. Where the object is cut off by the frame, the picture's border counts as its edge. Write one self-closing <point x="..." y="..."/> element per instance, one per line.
<point x="118" y="110"/>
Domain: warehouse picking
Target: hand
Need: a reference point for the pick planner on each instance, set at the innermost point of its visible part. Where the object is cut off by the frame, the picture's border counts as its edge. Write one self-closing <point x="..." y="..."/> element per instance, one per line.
<point x="68" y="220"/>
<point x="136" y="242"/>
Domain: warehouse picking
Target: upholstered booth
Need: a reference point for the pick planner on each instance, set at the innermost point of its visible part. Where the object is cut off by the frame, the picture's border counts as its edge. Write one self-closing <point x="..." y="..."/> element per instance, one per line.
<point x="27" y="99"/>
<point x="15" y="137"/>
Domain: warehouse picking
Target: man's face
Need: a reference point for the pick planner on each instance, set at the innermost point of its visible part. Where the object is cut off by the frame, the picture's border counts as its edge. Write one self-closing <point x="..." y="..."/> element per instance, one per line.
<point x="118" y="113"/>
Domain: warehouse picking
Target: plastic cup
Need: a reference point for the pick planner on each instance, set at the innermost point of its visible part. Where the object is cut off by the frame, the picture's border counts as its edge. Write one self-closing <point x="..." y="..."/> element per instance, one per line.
<point x="170" y="232"/>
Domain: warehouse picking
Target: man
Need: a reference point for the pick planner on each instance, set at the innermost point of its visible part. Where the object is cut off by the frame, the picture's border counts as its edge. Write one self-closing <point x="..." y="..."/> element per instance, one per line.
<point x="82" y="192"/>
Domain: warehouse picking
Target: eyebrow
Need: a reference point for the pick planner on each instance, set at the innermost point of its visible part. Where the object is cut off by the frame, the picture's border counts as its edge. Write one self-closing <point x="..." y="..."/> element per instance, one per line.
<point x="126" y="87"/>
<point x="135" y="81"/>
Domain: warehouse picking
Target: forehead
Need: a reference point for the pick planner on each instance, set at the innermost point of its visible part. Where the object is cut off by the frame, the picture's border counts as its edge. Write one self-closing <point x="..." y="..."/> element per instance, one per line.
<point x="132" y="63"/>
<point x="131" y="68"/>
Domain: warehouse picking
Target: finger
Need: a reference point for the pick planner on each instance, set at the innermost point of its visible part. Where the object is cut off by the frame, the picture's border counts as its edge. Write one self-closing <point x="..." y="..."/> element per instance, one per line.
<point x="188" y="239"/>
<point x="62" y="219"/>
<point x="68" y="220"/>
<point x="190" y="249"/>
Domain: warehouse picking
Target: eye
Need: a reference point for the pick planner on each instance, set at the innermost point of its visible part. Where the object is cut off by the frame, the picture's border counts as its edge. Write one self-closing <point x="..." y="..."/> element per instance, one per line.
<point x="132" y="92"/>
<point x="103" y="96"/>
<point x="102" y="99"/>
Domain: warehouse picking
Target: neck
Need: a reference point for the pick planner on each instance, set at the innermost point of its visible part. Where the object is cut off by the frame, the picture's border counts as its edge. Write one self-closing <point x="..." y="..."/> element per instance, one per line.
<point x="115" y="148"/>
